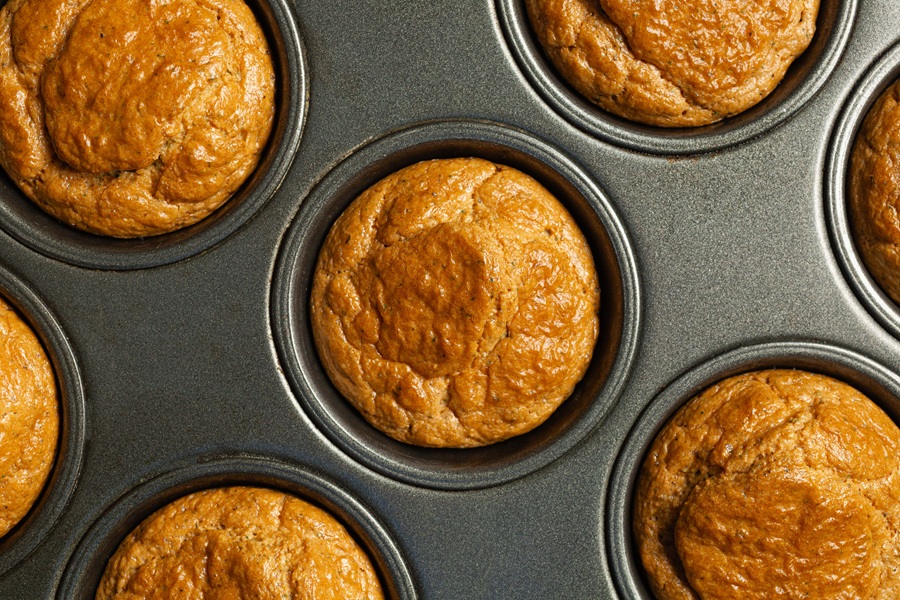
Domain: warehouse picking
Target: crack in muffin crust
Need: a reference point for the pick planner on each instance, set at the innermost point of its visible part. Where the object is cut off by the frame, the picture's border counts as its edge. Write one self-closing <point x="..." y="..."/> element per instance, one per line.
<point x="132" y="118"/>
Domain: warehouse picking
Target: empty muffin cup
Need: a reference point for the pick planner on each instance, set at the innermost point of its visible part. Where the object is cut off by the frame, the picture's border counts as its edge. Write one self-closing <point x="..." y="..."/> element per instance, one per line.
<point x="618" y="316"/>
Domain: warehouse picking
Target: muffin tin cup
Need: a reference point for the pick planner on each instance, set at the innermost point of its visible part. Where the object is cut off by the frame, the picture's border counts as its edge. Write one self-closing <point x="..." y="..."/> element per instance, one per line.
<point x="86" y="566"/>
<point x="60" y="485"/>
<point x="801" y="82"/>
<point x="875" y="81"/>
<point x="24" y="220"/>
<point x="872" y="379"/>
<point x="619" y="311"/>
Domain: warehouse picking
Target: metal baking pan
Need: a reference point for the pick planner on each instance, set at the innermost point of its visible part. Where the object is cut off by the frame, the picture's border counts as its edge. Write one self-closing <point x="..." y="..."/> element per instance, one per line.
<point x="185" y="361"/>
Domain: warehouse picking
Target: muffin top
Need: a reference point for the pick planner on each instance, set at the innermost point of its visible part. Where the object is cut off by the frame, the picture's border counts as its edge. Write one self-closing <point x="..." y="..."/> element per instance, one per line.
<point x="772" y="484"/>
<point x="455" y="303"/>
<point x="239" y="542"/>
<point x="29" y="418"/>
<point x="874" y="191"/>
<point x="132" y="118"/>
<point x="673" y="63"/>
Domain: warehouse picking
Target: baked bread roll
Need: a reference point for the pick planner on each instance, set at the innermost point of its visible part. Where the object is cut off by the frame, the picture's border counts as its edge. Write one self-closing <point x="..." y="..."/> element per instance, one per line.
<point x="132" y="118"/>
<point x="454" y="303"/>
<point x="673" y="63"/>
<point x="29" y="418"/>
<point x="239" y="542"/>
<point x="772" y="484"/>
<point x="874" y="191"/>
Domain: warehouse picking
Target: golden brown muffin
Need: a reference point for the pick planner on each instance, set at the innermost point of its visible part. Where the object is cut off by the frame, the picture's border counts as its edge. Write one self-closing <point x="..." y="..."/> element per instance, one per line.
<point x="455" y="303"/>
<point x="29" y="418"/>
<point x="874" y="193"/>
<point x="132" y="118"/>
<point x="772" y="484"/>
<point x="673" y="63"/>
<point x="239" y="542"/>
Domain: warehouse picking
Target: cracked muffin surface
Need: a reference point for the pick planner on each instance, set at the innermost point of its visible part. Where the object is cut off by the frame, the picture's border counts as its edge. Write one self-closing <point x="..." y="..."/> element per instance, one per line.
<point x="874" y="191"/>
<point x="673" y="63"/>
<point x="29" y="418"/>
<point x="772" y="484"/>
<point x="455" y="303"/>
<point x="132" y="118"/>
<point x="239" y="542"/>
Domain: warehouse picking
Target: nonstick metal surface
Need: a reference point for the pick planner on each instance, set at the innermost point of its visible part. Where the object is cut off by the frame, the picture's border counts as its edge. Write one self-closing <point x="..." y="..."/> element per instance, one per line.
<point x="185" y="361"/>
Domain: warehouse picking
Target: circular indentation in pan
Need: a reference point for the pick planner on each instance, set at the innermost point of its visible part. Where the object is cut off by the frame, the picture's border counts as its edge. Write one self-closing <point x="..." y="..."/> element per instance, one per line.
<point x="22" y="219"/>
<point x="87" y="564"/>
<point x="881" y="75"/>
<point x="875" y="381"/>
<point x="619" y="312"/>
<point x="801" y="82"/>
<point x="19" y="542"/>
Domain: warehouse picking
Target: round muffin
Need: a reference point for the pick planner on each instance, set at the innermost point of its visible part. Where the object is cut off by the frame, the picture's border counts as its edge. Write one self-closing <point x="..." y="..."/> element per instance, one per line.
<point x="772" y="484"/>
<point x="874" y="191"/>
<point x="239" y="542"/>
<point x="29" y="418"/>
<point x="455" y="303"/>
<point x="673" y="63"/>
<point x="132" y="118"/>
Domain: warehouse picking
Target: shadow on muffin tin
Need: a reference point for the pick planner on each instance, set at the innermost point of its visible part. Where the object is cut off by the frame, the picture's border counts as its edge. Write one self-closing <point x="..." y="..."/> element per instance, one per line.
<point x="25" y="536"/>
<point x="802" y="80"/>
<point x="875" y="381"/>
<point x="26" y="222"/>
<point x="85" y="568"/>
<point x="619" y="306"/>
<point x="876" y="80"/>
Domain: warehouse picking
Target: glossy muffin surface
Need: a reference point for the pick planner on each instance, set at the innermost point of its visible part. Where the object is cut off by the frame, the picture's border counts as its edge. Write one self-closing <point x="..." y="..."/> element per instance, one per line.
<point x="239" y="542"/>
<point x="673" y="63"/>
<point x="772" y="484"/>
<point x="29" y="418"/>
<point x="874" y="191"/>
<point x="455" y="303"/>
<point x="132" y="118"/>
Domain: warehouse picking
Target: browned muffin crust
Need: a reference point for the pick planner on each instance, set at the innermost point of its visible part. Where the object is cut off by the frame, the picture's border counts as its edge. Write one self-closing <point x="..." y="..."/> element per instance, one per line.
<point x="673" y="63"/>
<point x="132" y="118"/>
<point x="239" y="542"/>
<point x="455" y="303"/>
<point x="29" y="418"/>
<point x="772" y="484"/>
<point x="874" y="193"/>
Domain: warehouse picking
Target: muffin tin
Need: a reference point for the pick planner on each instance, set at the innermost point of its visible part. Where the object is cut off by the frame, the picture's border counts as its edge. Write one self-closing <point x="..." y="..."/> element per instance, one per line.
<point x="185" y="361"/>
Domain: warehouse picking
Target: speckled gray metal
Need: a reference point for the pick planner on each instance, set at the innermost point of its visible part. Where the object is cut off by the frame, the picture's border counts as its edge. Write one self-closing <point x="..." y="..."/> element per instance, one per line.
<point x="182" y="350"/>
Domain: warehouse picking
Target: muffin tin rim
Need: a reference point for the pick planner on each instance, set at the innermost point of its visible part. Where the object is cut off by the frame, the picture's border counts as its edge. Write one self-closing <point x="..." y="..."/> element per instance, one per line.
<point x="877" y="77"/>
<point x="63" y="477"/>
<point x="813" y="356"/>
<point x="30" y="225"/>
<point x="595" y="121"/>
<point x="287" y="293"/>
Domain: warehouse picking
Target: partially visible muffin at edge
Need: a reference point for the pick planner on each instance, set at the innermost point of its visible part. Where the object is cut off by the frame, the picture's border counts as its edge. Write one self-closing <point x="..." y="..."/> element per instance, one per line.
<point x="673" y="63"/>
<point x="240" y="542"/>
<point x="772" y="484"/>
<point x="29" y="418"/>
<point x="874" y="191"/>
<point x="455" y="303"/>
<point x="132" y="118"/>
